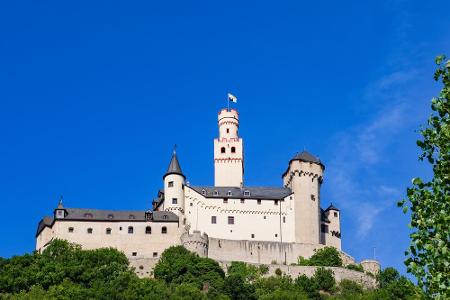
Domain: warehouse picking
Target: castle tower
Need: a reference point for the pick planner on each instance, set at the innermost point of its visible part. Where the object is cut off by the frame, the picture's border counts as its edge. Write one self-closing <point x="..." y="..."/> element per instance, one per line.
<point x="174" y="187"/>
<point x="333" y="236"/>
<point x="228" y="151"/>
<point x="304" y="178"/>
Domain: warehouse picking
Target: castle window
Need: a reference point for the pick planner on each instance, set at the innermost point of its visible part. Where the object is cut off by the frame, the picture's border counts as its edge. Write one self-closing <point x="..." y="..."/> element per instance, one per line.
<point x="213" y="220"/>
<point x="246" y="193"/>
<point x="191" y="204"/>
<point x="89" y="230"/>
<point x="225" y="200"/>
<point x="230" y="220"/>
<point x="313" y="197"/>
<point x="284" y="219"/>
<point x="148" y="230"/>
<point x="259" y="201"/>
<point x="276" y="235"/>
<point x="108" y="230"/>
<point x="134" y="254"/>
<point x="253" y="235"/>
<point x="70" y="229"/>
<point x="229" y="193"/>
<point x="222" y="150"/>
<point x="233" y="149"/>
<point x="170" y="184"/>
<point x="216" y="193"/>
<point x="242" y="201"/>
<point x="174" y="200"/>
<point x="88" y="215"/>
<point x="155" y="254"/>
<point x="264" y="217"/>
<point x="110" y="216"/>
<point x="203" y="192"/>
<point x="164" y="230"/>
<point x="335" y="214"/>
<point x="132" y="217"/>
<point x="275" y="202"/>
<point x="228" y="130"/>
<point x="120" y="228"/>
<point x="324" y="228"/>
<point x="165" y="217"/>
<point x="130" y="229"/>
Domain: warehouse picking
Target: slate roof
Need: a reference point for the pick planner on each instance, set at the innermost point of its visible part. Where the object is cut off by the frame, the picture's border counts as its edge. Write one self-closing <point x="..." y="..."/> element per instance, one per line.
<point x="332" y="207"/>
<point x="81" y="214"/>
<point x="174" y="166"/>
<point x="306" y="157"/>
<point x="263" y="193"/>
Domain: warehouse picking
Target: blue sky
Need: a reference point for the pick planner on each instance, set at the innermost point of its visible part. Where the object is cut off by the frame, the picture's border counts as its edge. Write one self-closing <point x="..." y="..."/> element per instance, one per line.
<point x="93" y="96"/>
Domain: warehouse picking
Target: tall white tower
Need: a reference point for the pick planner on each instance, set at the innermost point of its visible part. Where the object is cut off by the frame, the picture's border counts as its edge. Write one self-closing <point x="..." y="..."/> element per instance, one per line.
<point x="228" y="151"/>
<point x="304" y="177"/>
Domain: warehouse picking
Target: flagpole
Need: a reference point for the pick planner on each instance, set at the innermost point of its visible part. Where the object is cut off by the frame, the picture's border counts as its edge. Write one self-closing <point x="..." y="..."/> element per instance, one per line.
<point x="228" y="99"/>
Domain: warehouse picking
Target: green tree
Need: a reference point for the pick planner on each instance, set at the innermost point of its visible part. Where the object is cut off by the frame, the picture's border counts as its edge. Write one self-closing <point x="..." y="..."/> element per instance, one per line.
<point x="325" y="257"/>
<point x="428" y="257"/>
<point x="324" y="279"/>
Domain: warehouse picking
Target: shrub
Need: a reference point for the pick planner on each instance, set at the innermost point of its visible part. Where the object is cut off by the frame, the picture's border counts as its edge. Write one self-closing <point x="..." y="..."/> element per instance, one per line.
<point x="355" y="267"/>
<point x="278" y="272"/>
<point x="326" y="257"/>
<point x="263" y="269"/>
<point x="324" y="279"/>
<point x="349" y="289"/>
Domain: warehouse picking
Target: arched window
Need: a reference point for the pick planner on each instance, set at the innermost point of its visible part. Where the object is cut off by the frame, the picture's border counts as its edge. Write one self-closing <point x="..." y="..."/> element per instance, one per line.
<point x="203" y="192"/>
<point x="164" y="230"/>
<point x="130" y="229"/>
<point x="228" y="130"/>
<point x="89" y="230"/>
<point x="233" y="149"/>
<point x="222" y="150"/>
<point x="70" y="229"/>
<point x="132" y="217"/>
<point x="148" y="230"/>
<point x="108" y="230"/>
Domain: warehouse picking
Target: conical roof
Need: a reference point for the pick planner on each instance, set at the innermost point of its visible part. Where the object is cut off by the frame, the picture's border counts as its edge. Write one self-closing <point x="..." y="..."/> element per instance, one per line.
<point x="332" y="207"/>
<point x="308" y="157"/>
<point x="174" y="166"/>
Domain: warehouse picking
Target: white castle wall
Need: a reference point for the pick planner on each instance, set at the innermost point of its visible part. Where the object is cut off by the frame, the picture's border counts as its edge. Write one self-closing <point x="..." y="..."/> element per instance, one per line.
<point x="145" y="245"/>
<point x="267" y="221"/>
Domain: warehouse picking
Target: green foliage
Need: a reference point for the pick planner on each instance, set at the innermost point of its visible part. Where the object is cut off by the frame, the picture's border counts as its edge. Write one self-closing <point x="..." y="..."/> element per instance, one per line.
<point x="324" y="279"/>
<point x="428" y="257"/>
<point x="278" y="272"/>
<point x="355" y="267"/>
<point x="65" y="271"/>
<point x="178" y="265"/>
<point x="325" y="257"/>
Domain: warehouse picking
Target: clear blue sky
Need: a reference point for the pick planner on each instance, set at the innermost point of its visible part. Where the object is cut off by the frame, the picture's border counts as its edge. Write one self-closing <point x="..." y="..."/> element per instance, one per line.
<point x="93" y="95"/>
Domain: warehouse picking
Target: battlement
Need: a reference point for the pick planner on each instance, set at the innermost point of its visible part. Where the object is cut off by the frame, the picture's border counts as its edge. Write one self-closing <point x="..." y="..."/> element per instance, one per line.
<point x="196" y="242"/>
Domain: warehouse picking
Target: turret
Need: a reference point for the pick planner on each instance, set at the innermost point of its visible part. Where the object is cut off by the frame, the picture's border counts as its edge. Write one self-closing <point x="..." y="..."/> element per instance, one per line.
<point x="228" y="151"/>
<point x="304" y="177"/>
<point x="174" y="187"/>
<point x="60" y="212"/>
<point x="333" y="227"/>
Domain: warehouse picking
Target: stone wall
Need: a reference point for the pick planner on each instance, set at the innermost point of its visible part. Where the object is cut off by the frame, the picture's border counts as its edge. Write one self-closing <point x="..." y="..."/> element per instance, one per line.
<point x="296" y="271"/>
<point x="263" y="252"/>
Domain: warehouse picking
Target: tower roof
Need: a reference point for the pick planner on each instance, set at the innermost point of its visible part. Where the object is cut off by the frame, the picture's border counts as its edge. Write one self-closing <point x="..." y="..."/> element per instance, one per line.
<point x="174" y="166"/>
<point x="332" y="207"/>
<point x="307" y="157"/>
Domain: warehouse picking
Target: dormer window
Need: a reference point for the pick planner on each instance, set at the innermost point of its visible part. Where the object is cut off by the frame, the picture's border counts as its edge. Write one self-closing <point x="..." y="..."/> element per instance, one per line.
<point x="246" y="193"/>
<point x="204" y="192"/>
<point x="165" y="217"/>
<point x="216" y="193"/>
<point x="229" y="193"/>
<point x="110" y="216"/>
<point x="132" y="217"/>
<point x="88" y="215"/>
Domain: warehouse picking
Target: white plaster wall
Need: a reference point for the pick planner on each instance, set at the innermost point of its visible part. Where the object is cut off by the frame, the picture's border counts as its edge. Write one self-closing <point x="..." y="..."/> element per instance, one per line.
<point x="176" y="192"/>
<point x="248" y="218"/>
<point x="334" y="225"/>
<point x="304" y="180"/>
<point x="144" y="244"/>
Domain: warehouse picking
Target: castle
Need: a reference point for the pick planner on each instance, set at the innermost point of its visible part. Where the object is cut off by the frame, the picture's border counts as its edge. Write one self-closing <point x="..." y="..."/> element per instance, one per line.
<point x="228" y="221"/>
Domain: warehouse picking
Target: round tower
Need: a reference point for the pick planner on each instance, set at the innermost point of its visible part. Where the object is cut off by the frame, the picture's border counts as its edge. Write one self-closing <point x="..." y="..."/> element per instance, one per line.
<point x="196" y="242"/>
<point x="228" y="151"/>
<point x="304" y="177"/>
<point x="333" y="229"/>
<point x="174" y="187"/>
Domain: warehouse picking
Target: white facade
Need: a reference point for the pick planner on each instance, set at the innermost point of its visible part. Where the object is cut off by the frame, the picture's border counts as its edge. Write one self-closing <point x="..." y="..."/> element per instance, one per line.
<point x="281" y="223"/>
